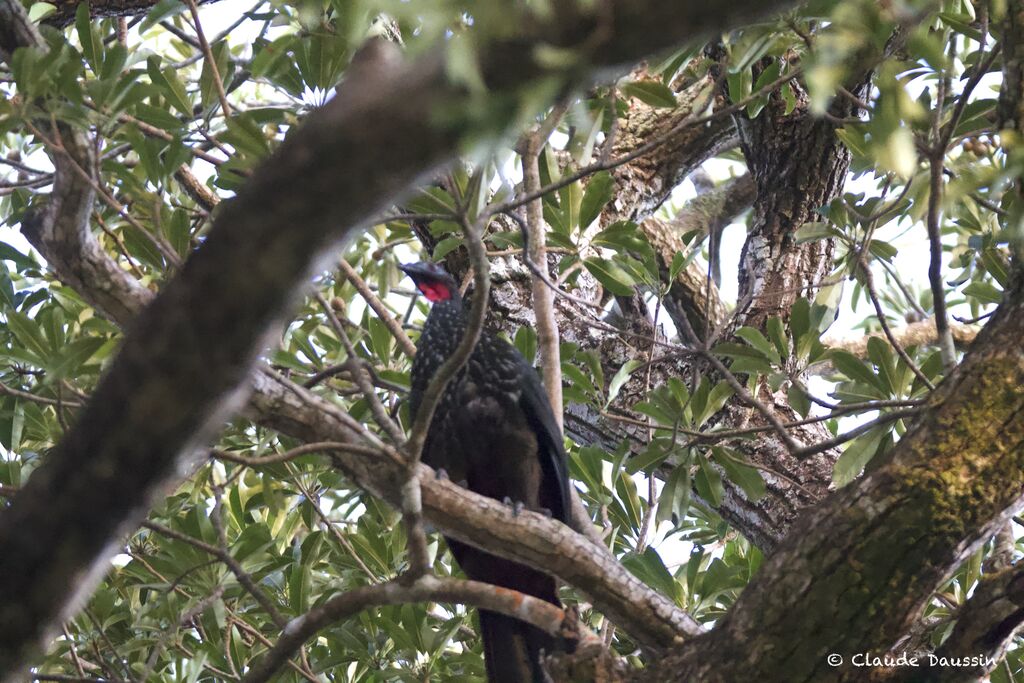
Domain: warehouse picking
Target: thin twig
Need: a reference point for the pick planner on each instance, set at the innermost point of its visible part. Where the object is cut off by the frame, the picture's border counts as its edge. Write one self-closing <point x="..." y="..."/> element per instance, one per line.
<point x="211" y="61"/>
<point x="18" y="393"/>
<point x="829" y="444"/>
<point x="536" y="249"/>
<point x="297" y="452"/>
<point x="647" y="147"/>
<point x="332" y="528"/>
<point x="57" y="145"/>
<point x="385" y="316"/>
<point x="535" y="611"/>
<point x="243" y="577"/>
<point x="869" y="283"/>
<point x="361" y="377"/>
<point x="737" y="386"/>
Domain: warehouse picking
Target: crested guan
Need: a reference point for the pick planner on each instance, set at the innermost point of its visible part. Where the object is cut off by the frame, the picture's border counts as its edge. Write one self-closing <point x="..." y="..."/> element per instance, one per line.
<point x="495" y="430"/>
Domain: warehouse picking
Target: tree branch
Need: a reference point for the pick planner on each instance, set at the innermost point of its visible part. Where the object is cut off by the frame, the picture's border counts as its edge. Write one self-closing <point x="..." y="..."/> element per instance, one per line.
<point x="540" y="613"/>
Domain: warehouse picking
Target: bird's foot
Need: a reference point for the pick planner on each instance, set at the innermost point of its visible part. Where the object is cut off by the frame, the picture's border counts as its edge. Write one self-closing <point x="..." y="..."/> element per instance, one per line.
<point x="546" y="512"/>
<point x="516" y="505"/>
<point x="440" y="473"/>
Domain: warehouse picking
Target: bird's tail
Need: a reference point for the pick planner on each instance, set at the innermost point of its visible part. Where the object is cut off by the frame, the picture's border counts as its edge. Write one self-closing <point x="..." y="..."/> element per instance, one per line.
<point x="512" y="649"/>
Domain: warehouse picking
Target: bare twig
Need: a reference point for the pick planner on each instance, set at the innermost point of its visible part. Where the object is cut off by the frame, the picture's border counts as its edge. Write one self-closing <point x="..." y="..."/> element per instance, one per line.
<point x="536" y="248"/>
<point x="361" y="377"/>
<point x="297" y="452"/>
<point x="869" y="283"/>
<point x="385" y="316"/>
<point x="687" y="329"/>
<point x="840" y="439"/>
<point x="535" y="611"/>
<point x="18" y="393"/>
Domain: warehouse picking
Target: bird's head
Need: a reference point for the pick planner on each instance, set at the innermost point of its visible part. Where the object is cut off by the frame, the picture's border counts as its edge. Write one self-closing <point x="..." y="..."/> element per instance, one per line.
<point x="431" y="279"/>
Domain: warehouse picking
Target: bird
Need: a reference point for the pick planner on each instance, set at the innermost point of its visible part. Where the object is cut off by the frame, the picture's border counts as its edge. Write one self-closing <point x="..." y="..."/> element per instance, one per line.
<point x="494" y="429"/>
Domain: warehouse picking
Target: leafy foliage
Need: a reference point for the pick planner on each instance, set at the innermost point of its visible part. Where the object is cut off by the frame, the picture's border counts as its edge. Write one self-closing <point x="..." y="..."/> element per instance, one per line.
<point x="170" y="610"/>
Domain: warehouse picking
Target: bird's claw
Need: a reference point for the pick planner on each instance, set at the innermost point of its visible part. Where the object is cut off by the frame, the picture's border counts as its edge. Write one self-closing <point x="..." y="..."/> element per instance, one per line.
<point x="546" y="512"/>
<point x="440" y="473"/>
<point x="516" y="505"/>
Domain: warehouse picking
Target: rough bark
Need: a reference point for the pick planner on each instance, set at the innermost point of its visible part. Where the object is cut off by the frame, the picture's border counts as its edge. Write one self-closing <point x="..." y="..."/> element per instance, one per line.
<point x="799" y="165"/>
<point x="643" y="184"/>
<point x="179" y="372"/>
<point x="855" y="572"/>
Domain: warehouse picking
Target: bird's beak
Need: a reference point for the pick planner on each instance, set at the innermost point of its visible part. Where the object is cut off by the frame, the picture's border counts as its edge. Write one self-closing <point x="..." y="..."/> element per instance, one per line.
<point x="413" y="270"/>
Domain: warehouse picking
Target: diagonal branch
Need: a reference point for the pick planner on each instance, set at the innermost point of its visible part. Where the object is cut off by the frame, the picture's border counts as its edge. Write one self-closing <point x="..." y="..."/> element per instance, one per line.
<point x="426" y="588"/>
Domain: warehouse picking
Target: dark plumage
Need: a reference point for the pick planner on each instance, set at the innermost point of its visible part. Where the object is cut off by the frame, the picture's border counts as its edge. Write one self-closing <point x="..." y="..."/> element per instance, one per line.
<point x="495" y="430"/>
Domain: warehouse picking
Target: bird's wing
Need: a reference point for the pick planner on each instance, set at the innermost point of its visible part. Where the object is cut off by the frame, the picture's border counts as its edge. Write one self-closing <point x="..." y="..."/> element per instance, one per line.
<point x="555" y="467"/>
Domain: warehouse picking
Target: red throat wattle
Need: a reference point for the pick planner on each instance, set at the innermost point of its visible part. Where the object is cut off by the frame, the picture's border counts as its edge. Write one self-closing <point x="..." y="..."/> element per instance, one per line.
<point x="435" y="291"/>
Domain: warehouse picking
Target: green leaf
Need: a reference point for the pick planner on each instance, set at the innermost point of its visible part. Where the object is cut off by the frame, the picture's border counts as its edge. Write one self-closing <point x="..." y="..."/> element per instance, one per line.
<point x="709" y="482"/>
<point x="856" y="456"/>
<point x="754" y="337"/>
<point x="777" y="333"/>
<point x="74" y="356"/>
<point x="526" y="342"/>
<point x="9" y="253"/>
<point x="620" y="378"/>
<point x="446" y="246"/>
<point x="650" y="569"/>
<point x="598" y="193"/>
<point x="171" y="86"/>
<point x="716" y="398"/>
<point x="798" y="400"/>
<point x="611" y="276"/>
<point x="816" y="230"/>
<point x="164" y="9"/>
<point x="27" y="332"/>
<point x="114" y="61"/>
<point x="208" y="94"/>
<point x="40" y="10"/>
<point x="854" y="368"/>
<point x="800" y="318"/>
<point x="245" y="134"/>
<point x="995" y="264"/>
<point x="744" y="358"/>
<point x="740" y="473"/>
<point x="653" y="93"/>
<point x="92" y="44"/>
<point x="155" y="116"/>
<point x="985" y="292"/>
<point x="674" y="500"/>
<point x="880" y="354"/>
